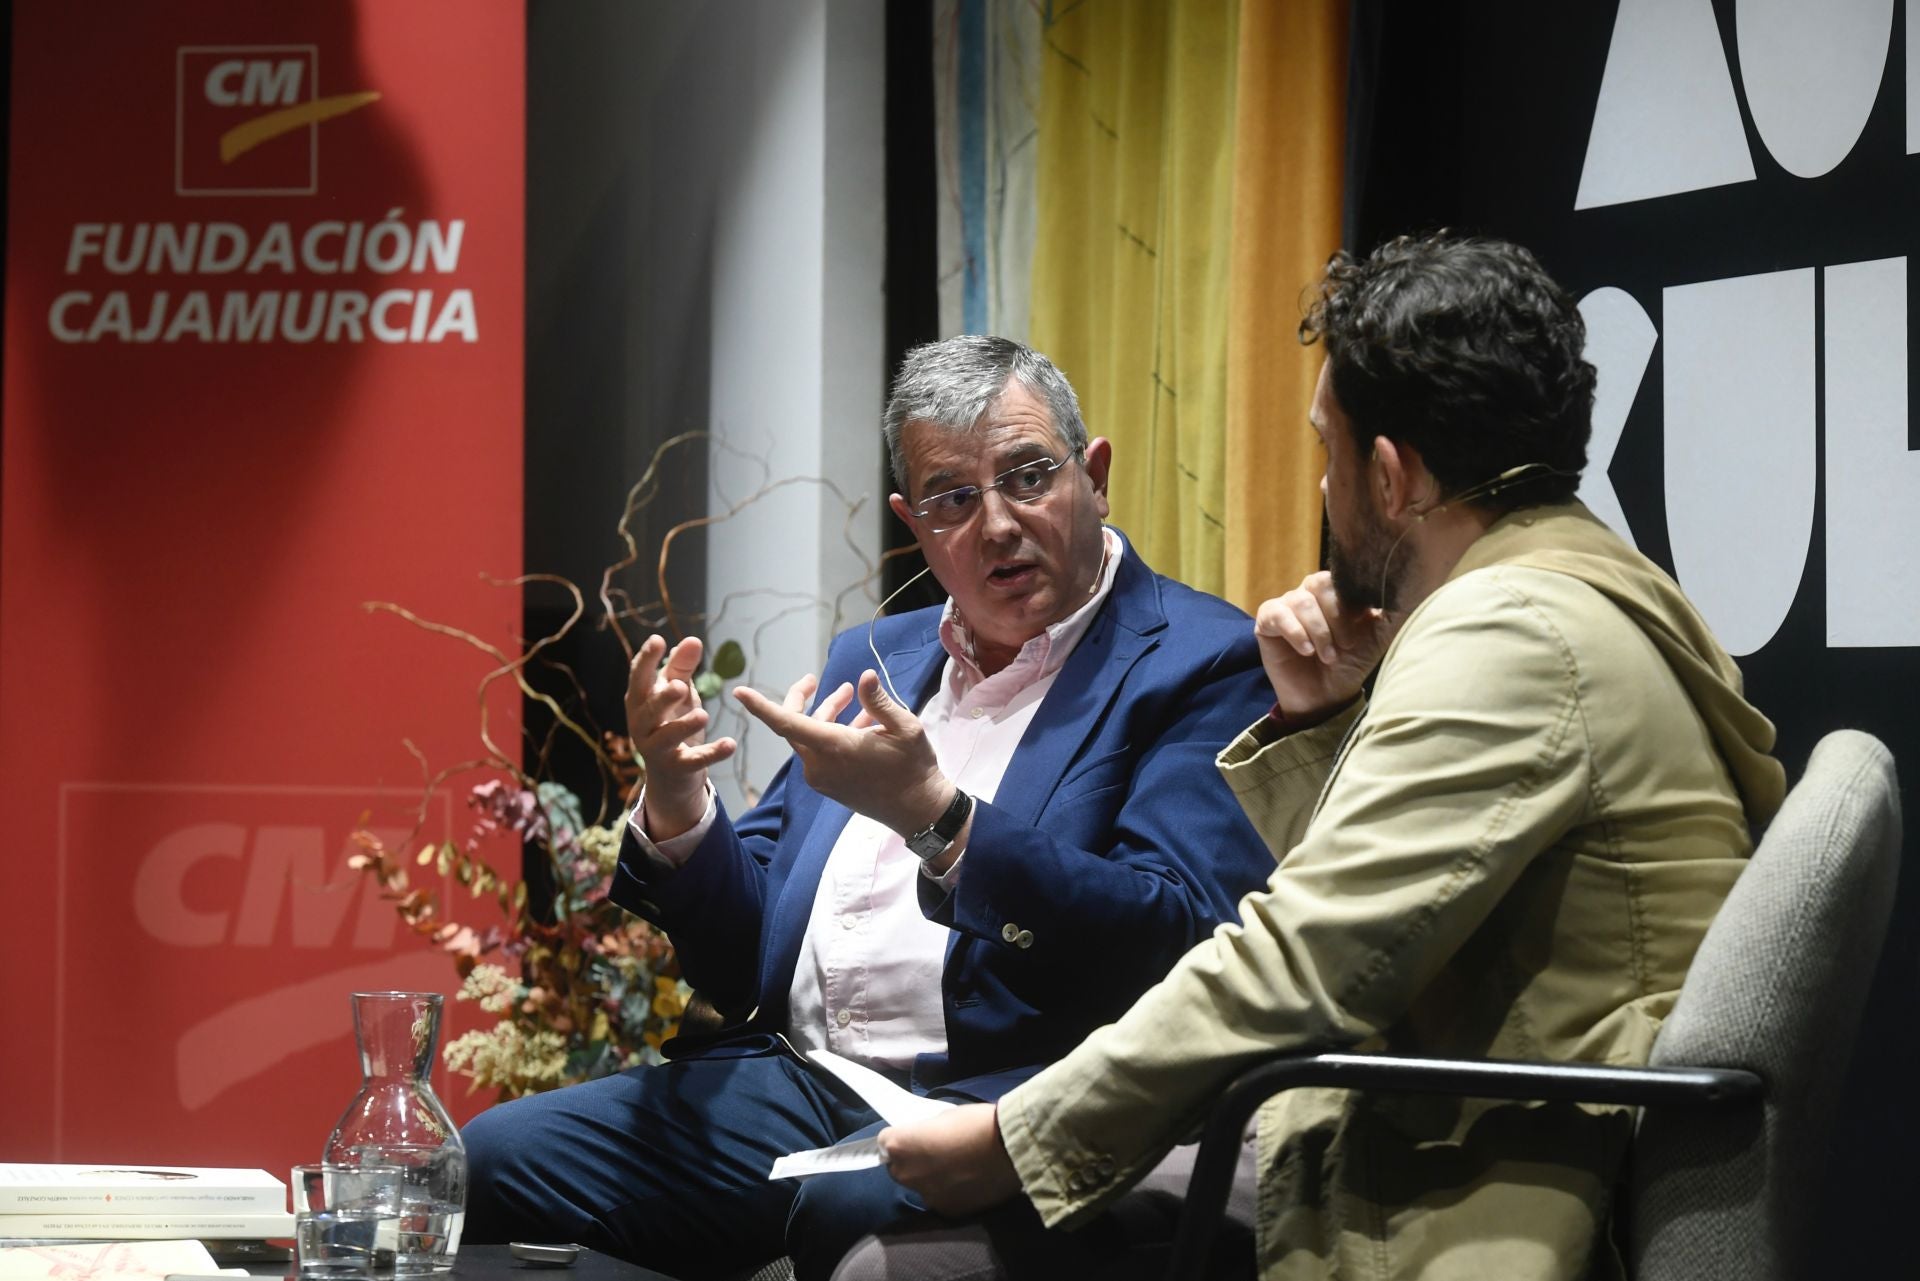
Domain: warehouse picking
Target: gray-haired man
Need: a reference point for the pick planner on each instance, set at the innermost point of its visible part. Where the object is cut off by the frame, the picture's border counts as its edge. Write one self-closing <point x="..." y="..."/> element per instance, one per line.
<point x="952" y="883"/>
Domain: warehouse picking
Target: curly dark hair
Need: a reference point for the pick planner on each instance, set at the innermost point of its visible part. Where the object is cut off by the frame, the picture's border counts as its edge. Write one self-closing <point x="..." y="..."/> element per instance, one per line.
<point x="1465" y="349"/>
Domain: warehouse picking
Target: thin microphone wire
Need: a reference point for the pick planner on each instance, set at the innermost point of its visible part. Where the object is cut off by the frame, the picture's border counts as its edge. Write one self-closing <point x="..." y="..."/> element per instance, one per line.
<point x="1511" y="476"/>
<point x="885" y="675"/>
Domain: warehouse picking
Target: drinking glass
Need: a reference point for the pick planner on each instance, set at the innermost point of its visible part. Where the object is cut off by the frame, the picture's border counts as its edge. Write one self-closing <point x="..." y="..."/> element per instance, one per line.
<point x="346" y="1220"/>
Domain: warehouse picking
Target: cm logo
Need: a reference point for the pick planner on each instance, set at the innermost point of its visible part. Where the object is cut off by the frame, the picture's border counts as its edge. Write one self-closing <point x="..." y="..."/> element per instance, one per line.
<point x="252" y="82"/>
<point x="247" y="119"/>
<point x="207" y="922"/>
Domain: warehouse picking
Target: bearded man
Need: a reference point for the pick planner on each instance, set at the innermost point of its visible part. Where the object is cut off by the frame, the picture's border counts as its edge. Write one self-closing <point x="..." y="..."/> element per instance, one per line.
<point x="1511" y="848"/>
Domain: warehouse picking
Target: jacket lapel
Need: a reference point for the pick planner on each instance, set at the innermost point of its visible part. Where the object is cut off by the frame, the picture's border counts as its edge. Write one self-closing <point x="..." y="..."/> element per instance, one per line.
<point x="1126" y="627"/>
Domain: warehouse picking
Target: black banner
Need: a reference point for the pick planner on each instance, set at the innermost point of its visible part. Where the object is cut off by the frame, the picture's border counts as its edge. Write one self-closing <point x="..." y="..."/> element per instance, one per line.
<point x="1730" y="190"/>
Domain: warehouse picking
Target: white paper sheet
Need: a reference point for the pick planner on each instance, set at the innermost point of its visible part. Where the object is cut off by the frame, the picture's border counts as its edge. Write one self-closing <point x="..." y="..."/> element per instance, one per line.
<point x="862" y="1155"/>
<point x="896" y="1106"/>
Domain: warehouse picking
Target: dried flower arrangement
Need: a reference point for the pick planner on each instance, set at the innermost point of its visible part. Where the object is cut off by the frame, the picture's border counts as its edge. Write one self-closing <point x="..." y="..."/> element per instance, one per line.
<point x="578" y="987"/>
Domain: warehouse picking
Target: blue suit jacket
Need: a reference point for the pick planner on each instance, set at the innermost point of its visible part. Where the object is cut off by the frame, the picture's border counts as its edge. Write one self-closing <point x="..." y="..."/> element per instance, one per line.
<point x="1111" y="839"/>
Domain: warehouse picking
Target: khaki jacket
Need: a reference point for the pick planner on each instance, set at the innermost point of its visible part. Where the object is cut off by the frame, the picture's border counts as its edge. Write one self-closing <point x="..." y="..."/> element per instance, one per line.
<point x="1512" y="851"/>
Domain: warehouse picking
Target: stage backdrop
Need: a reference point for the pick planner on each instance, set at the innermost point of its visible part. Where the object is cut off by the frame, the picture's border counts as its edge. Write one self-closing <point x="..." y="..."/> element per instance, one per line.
<point x="262" y="364"/>
<point x="1730" y="189"/>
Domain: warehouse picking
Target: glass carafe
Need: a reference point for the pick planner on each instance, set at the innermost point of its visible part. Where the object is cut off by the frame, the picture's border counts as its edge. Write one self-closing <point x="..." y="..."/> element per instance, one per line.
<point x="396" y="1119"/>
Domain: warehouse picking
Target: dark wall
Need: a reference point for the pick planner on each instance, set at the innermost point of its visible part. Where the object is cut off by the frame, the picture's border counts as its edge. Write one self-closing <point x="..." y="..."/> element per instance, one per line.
<point x="913" y="303"/>
<point x="623" y="176"/>
<point x="1477" y="116"/>
<point x="588" y="432"/>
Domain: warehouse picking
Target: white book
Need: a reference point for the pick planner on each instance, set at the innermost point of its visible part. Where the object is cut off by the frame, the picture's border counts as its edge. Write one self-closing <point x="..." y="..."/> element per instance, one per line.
<point x="203" y="1225"/>
<point x="136" y="1261"/>
<point x="138" y="1189"/>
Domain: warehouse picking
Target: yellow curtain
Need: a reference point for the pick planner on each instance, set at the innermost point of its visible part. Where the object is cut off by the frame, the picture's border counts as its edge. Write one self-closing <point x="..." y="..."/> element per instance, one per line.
<point x="1289" y="148"/>
<point x="1134" y="190"/>
<point x="1189" y="162"/>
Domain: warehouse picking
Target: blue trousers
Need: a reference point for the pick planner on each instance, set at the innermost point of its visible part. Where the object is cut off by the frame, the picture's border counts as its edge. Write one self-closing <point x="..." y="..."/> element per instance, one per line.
<point x="667" y="1167"/>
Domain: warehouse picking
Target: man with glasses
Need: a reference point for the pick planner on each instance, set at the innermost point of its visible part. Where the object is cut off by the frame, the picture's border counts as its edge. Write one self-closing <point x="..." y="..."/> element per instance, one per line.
<point x="1001" y="824"/>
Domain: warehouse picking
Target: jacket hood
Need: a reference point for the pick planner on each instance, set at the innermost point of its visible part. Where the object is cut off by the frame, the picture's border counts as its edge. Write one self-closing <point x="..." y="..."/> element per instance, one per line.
<point x="1569" y="539"/>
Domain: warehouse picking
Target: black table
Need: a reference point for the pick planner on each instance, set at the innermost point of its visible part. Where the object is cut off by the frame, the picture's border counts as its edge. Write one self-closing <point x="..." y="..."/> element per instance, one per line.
<point x="494" y="1263"/>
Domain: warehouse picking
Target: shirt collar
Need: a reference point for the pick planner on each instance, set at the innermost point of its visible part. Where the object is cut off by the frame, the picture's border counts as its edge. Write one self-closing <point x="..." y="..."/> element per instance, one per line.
<point x="1048" y="652"/>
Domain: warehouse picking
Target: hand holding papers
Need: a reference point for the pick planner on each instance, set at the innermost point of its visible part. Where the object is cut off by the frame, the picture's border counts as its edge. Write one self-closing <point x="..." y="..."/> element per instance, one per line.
<point x="895" y="1106"/>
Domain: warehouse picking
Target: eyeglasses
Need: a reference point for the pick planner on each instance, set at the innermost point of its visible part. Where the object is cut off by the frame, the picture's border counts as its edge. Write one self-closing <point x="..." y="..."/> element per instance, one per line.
<point x="1027" y="483"/>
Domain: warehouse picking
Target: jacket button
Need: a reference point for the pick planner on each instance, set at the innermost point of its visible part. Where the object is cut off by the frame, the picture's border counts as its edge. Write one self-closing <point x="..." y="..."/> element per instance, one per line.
<point x="1076" y="1182"/>
<point x="1024" y="939"/>
<point x="1104" y="1166"/>
<point x="1010" y="932"/>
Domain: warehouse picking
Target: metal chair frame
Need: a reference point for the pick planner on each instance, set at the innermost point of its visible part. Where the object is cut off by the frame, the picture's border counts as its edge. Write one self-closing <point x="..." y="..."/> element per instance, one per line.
<point x="1469" y="1078"/>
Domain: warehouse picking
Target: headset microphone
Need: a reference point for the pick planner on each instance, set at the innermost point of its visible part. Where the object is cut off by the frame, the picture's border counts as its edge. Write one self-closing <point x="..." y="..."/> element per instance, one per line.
<point x="1486" y="488"/>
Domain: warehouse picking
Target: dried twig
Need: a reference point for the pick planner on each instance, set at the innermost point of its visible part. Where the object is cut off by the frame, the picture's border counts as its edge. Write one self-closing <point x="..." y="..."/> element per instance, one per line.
<point x="638" y="497"/>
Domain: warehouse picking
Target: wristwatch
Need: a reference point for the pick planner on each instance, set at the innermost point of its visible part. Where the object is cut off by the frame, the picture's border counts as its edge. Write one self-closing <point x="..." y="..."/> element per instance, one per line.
<point x="932" y="841"/>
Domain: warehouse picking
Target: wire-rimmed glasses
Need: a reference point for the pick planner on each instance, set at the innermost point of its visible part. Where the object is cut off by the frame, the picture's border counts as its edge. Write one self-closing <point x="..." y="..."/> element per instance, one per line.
<point x="1027" y="483"/>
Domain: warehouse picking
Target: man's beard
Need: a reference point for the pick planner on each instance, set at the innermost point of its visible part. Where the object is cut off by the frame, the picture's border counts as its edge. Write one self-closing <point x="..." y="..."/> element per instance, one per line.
<point x="1365" y="575"/>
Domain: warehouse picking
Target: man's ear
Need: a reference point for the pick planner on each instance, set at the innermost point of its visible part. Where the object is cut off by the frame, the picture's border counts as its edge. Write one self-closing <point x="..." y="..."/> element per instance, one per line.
<point x="1402" y="484"/>
<point x="904" y="511"/>
<point x="1099" y="460"/>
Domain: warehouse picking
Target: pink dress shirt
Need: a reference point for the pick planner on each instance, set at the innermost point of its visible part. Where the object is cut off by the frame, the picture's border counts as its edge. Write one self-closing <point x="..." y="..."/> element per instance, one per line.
<point x="867" y="985"/>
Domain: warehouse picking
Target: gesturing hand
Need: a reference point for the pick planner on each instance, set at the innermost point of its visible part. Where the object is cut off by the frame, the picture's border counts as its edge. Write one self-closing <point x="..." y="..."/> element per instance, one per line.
<point x="881" y="765"/>
<point x="1317" y="649"/>
<point x="668" y="728"/>
<point x="955" y="1161"/>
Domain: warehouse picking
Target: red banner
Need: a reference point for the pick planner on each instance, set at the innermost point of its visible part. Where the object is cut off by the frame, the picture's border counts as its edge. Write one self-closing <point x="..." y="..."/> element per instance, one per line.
<point x="262" y="365"/>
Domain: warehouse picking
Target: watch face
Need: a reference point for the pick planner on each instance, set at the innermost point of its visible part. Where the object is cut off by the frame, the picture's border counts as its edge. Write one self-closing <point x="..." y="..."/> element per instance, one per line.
<point x="935" y="839"/>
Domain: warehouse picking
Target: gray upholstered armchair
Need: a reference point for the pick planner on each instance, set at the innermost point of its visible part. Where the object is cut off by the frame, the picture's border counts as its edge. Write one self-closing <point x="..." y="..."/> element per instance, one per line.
<point x="1746" y="1073"/>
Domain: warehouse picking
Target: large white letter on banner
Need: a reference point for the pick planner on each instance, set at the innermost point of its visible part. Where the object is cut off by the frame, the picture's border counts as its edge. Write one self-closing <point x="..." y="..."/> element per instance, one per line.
<point x="1913" y="80"/>
<point x="1620" y="340"/>
<point x="1666" y="120"/>
<point x="1739" y="447"/>
<point x="1812" y="72"/>
<point x="1873" y="478"/>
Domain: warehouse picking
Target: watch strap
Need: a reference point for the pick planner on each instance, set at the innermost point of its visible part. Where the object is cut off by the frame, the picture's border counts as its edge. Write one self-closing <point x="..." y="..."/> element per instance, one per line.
<point x="932" y="840"/>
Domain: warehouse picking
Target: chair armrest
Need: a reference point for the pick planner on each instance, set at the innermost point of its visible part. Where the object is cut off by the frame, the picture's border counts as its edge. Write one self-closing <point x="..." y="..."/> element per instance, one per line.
<point x="1226" y="1126"/>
